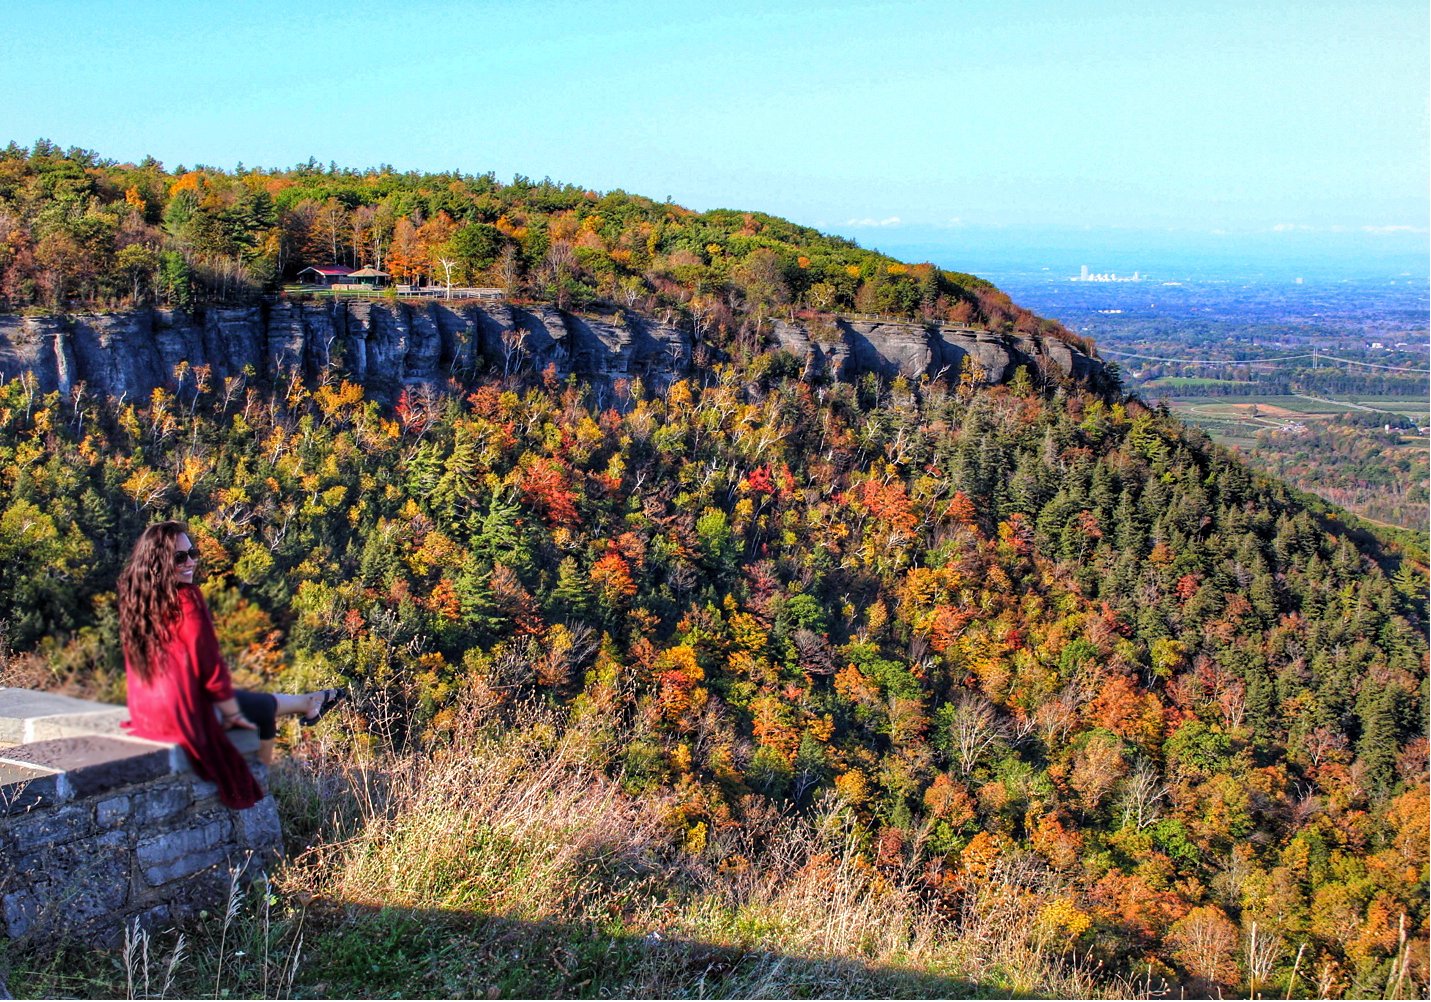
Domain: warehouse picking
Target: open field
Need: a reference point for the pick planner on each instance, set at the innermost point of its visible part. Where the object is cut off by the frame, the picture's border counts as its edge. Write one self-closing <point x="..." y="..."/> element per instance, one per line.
<point x="1266" y="410"/>
<point x="1235" y="420"/>
<point x="1416" y="408"/>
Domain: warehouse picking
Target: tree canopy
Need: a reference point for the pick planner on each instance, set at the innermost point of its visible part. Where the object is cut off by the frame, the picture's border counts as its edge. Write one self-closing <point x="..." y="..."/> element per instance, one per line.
<point x="994" y="623"/>
<point x="79" y="231"/>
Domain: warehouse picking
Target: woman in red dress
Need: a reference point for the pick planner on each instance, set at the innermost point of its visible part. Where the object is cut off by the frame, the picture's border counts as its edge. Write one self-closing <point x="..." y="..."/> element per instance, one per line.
<point x="179" y="685"/>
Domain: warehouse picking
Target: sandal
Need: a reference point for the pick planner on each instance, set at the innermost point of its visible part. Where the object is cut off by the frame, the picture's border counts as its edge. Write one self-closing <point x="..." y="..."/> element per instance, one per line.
<point x="331" y="698"/>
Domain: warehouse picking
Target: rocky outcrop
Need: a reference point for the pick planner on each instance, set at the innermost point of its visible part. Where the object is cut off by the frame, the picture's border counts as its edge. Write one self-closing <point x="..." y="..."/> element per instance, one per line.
<point x="389" y="345"/>
<point x="844" y="349"/>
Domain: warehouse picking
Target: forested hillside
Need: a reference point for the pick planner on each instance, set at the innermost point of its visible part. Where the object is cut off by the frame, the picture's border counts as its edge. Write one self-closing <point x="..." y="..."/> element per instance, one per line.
<point x="1028" y="640"/>
<point x="993" y="622"/>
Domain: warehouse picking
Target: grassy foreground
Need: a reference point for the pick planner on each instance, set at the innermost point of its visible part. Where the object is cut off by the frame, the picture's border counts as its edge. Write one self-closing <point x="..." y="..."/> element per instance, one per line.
<point x="510" y="864"/>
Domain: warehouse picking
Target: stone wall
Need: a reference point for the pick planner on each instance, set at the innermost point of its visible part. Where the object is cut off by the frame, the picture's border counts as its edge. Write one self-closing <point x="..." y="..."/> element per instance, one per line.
<point x="98" y="829"/>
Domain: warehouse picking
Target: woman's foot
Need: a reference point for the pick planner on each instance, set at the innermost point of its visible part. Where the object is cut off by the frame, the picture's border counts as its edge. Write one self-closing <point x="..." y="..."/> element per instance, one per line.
<point x="320" y="702"/>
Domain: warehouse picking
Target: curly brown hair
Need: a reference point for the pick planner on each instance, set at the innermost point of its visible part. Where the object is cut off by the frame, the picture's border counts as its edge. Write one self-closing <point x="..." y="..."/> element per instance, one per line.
<point x="148" y="596"/>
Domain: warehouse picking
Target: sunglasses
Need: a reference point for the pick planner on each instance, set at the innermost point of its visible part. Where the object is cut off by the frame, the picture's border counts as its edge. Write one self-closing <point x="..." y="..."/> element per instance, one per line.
<point x="184" y="556"/>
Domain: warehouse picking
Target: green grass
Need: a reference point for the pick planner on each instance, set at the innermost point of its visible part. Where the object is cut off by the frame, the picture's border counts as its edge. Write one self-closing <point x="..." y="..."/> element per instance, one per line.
<point x="1234" y="401"/>
<point x="1227" y="406"/>
<point x="1393" y="400"/>
<point x="1332" y="403"/>
<point x="1412" y="407"/>
<point x="1302" y="405"/>
<point x="398" y="953"/>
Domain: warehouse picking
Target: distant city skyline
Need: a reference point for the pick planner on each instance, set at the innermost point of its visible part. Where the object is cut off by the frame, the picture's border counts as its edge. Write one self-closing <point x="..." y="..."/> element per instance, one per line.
<point x="1292" y="127"/>
<point x="1084" y="275"/>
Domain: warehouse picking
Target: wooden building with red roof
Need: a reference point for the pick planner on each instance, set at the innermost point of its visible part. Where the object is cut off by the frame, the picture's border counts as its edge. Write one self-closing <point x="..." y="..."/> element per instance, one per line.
<point x="329" y="274"/>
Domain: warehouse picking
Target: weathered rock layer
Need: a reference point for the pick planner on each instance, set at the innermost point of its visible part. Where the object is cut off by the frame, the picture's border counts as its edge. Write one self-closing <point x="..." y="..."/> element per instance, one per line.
<point x="387" y="346"/>
<point x="846" y="349"/>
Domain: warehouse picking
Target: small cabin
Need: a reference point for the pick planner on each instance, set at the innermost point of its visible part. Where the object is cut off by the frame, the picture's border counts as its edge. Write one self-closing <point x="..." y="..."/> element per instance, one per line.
<point x="368" y="276"/>
<point x="331" y="274"/>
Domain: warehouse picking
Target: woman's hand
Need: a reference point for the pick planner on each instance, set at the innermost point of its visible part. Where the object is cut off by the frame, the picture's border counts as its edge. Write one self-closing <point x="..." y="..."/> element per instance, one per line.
<point x="240" y="722"/>
<point x="233" y="717"/>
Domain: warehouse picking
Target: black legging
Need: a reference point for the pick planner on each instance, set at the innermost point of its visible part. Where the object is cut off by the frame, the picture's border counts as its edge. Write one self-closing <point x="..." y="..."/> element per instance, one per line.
<point x="262" y="709"/>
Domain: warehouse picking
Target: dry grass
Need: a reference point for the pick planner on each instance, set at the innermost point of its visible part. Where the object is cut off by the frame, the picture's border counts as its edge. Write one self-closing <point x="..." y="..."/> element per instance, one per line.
<point x="512" y="825"/>
<point x="516" y="822"/>
<point x="508" y="863"/>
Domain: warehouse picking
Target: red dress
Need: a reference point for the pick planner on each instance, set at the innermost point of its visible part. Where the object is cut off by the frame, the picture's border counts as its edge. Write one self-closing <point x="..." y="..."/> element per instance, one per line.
<point x="177" y="704"/>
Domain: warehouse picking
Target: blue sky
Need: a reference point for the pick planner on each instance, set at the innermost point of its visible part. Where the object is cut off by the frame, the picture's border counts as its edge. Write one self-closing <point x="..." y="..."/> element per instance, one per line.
<point x="1270" y="124"/>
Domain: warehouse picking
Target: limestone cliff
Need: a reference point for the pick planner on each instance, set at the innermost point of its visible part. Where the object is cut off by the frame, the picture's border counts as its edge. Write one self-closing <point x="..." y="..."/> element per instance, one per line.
<point x="845" y="349"/>
<point x="386" y="345"/>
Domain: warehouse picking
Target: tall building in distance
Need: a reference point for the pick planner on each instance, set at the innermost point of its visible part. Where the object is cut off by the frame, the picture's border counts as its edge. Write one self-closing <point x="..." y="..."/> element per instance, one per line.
<point x="1084" y="275"/>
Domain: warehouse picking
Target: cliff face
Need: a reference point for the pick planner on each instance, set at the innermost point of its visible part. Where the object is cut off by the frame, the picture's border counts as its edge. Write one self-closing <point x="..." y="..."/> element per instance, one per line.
<point x="845" y="349"/>
<point x="387" y="346"/>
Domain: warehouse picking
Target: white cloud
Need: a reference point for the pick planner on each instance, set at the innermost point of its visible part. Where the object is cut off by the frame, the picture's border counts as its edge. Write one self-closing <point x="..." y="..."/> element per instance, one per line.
<point x="1290" y="228"/>
<point x="889" y="221"/>
<point x="1393" y="229"/>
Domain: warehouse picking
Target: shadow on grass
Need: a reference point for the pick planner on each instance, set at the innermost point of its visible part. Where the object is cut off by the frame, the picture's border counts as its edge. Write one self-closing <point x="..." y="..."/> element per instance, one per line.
<point x="392" y="951"/>
<point x="358" y="951"/>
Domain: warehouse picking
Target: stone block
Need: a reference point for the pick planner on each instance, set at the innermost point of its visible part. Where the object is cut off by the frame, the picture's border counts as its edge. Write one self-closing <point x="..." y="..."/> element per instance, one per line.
<point x="185" y="866"/>
<point x="258" y="827"/>
<point x="162" y="802"/>
<point x="67" y="824"/>
<point x="205" y="891"/>
<point x="105" y="934"/>
<point x="111" y="812"/>
<point x="154" y="919"/>
<point x="19" y="706"/>
<point x="12" y="771"/>
<point x="20" y="909"/>
<point x="95" y="763"/>
<point x="106" y="840"/>
<point x="70" y="725"/>
<point x="63" y="862"/>
<point x="245" y="741"/>
<point x="180" y="853"/>
<point x="166" y="846"/>
<point x="99" y="890"/>
<point x="179" y="763"/>
<point x="67" y="886"/>
<point x="25" y="788"/>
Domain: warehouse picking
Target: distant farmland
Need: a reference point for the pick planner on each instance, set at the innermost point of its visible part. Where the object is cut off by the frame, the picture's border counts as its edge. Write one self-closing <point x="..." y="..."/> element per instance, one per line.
<point x="1314" y="444"/>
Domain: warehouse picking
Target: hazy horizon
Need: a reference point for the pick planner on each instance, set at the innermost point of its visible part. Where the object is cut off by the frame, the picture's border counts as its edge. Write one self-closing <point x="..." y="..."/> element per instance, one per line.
<point x="1160" y="254"/>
